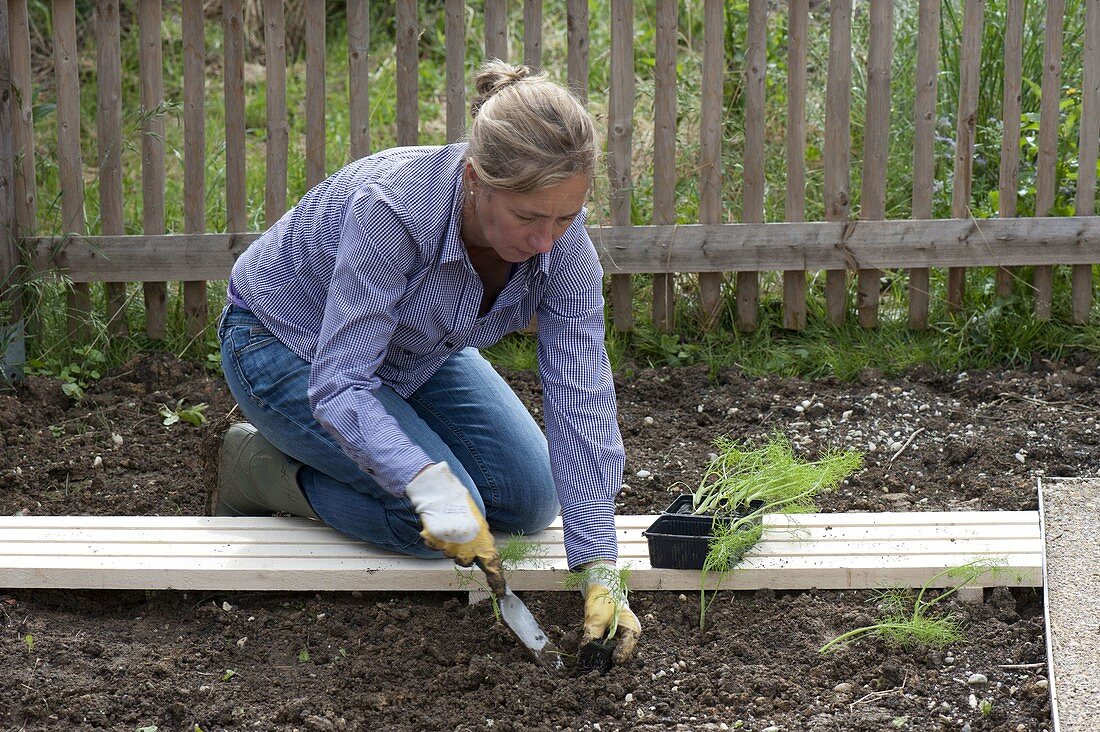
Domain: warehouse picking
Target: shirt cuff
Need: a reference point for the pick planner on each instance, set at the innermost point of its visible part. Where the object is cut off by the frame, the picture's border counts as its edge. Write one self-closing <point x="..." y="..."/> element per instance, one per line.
<point x="589" y="530"/>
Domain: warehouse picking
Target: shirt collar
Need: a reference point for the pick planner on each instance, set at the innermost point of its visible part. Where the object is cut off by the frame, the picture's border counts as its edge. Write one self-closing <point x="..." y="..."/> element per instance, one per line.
<point x="453" y="248"/>
<point x="540" y="263"/>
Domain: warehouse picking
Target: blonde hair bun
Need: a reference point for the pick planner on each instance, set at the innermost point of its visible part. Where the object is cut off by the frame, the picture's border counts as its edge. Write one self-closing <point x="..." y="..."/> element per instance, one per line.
<point x="527" y="132"/>
<point x="496" y="75"/>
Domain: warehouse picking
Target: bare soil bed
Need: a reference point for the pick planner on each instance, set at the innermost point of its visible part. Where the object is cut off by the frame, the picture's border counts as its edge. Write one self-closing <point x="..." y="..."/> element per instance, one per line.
<point x="80" y="660"/>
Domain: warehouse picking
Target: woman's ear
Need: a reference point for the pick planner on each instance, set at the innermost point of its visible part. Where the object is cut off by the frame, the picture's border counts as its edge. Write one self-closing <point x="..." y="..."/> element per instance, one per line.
<point x="471" y="180"/>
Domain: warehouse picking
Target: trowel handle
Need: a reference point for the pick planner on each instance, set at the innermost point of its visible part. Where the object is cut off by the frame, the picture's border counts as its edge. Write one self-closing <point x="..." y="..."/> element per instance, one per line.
<point x="494" y="574"/>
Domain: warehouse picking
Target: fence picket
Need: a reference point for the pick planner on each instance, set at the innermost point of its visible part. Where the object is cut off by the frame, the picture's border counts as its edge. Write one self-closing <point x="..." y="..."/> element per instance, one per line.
<point x="496" y="29"/>
<point x="9" y="250"/>
<point x="1081" y="293"/>
<point x="1049" y="112"/>
<point x="150" y="16"/>
<point x="576" y="12"/>
<point x="532" y="33"/>
<point x="876" y="146"/>
<point x="794" y="280"/>
<point x="235" y="186"/>
<point x="68" y="154"/>
<point x="619" y="132"/>
<point x="408" y="83"/>
<point x="710" y="147"/>
<point x="970" y="62"/>
<point x="752" y="212"/>
<point x="315" y="92"/>
<point x="1009" y="175"/>
<point x="455" y="40"/>
<point x="838" y="102"/>
<point x="24" y="190"/>
<point x="359" y="77"/>
<point x="924" y="138"/>
<point x="194" y="158"/>
<point x="664" y="153"/>
<point x="278" y="127"/>
<point x="109" y="138"/>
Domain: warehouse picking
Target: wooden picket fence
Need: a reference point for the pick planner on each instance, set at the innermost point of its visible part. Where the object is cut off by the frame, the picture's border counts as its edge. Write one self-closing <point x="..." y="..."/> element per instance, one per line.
<point x="840" y="245"/>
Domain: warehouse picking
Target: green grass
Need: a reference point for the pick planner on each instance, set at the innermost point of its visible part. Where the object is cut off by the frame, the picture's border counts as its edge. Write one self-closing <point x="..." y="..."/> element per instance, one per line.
<point x="990" y="332"/>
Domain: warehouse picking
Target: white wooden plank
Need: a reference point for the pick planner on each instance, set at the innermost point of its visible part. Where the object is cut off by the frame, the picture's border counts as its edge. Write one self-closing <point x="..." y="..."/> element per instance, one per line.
<point x="318" y="534"/>
<point x="776" y="573"/>
<point x="323" y="535"/>
<point x="906" y="533"/>
<point x="552" y="551"/>
<point x="628" y="545"/>
<point x="904" y="518"/>
<point x="844" y="549"/>
<point x="158" y="522"/>
<point x="300" y="532"/>
<point x="375" y="568"/>
<point x="266" y="523"/>
<point x="271" y="553"/>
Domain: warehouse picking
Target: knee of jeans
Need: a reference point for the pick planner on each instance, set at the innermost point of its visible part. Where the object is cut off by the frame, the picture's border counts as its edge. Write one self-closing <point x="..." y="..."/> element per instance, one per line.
<point x="549" y="510"/>
<point x="536" y="513"/>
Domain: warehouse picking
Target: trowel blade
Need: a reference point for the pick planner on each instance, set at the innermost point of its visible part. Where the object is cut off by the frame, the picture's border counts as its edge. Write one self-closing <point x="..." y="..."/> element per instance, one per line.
<point x="526" y="628"/>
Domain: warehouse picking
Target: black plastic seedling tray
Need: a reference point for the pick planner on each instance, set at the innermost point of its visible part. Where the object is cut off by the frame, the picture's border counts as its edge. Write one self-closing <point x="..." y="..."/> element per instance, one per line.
<point x="679" y="542"/>
<point x="679" y="539"/>
<point x="684" y="505"/>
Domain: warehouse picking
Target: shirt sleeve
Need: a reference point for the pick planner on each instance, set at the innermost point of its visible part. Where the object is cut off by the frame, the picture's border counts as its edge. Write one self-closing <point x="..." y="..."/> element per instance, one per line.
<point x="586" y="447"/>
<point x="370" y="276"/>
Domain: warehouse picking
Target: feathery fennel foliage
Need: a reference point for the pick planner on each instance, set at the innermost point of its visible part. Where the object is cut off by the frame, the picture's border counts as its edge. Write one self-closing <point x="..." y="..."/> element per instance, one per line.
<point x="906" y="621"/>
<point x="742" y="484"/>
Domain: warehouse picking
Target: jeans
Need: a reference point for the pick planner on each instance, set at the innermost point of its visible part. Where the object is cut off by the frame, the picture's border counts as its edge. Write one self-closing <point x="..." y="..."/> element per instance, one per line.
<point x="465" y="415"/>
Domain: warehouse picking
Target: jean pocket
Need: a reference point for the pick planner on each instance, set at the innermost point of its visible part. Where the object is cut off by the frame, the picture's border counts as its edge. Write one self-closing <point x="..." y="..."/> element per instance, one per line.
<point x="249" y="338"/>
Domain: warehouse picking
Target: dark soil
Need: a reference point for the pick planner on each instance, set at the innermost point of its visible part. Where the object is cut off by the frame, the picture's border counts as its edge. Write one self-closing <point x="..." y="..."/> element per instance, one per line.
<point x="76" y="660"/>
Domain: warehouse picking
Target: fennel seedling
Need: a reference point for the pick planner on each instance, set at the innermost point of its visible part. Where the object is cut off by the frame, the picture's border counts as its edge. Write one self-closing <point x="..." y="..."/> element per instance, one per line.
<point x="906" y="621"/>
<point x="742" y="484"/>
<point x="739" y="477"/>
<point x="517" y="549"/>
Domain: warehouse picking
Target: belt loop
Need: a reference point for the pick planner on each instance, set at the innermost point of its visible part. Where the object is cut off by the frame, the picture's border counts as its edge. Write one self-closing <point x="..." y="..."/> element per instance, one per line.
<point x="223" y="316"/>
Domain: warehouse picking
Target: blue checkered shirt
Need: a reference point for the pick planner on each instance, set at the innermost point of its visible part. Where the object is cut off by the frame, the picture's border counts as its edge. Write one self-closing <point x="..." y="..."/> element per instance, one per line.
<point x="367" y="279"/>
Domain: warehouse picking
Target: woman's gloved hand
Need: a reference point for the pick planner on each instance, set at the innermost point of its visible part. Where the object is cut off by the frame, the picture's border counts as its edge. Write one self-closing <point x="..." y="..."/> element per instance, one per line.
<point x="452" y="522"/>
<point x="607" y="613"/>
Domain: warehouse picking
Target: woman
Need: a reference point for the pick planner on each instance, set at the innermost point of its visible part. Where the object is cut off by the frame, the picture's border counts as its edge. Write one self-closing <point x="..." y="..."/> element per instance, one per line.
<point x="350" y="342"/>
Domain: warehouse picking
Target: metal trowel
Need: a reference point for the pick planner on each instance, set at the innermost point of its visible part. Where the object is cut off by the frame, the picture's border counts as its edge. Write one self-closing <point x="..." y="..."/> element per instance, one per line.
<point x="520" y="620"/>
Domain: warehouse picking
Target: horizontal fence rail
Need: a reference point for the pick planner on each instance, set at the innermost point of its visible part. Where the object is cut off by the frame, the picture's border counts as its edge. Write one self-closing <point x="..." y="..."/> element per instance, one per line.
<point x="853" y="244"/>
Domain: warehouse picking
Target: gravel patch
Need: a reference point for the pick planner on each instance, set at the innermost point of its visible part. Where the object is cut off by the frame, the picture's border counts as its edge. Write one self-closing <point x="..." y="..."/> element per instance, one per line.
<point x="1071" y="520"/>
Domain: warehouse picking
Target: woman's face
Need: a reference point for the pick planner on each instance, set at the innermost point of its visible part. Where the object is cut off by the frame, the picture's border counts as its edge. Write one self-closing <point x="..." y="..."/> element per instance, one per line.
<point x="517" y="226"/>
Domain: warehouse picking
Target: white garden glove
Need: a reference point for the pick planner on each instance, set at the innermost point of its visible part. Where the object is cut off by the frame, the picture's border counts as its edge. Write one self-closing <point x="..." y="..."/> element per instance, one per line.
<point x="606" y="610"/>
<point x="452" y="522"/>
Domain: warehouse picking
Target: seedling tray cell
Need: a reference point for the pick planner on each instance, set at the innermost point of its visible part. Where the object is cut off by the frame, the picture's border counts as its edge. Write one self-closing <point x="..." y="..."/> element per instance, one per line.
<point x="679" y="539"/>
<point x="684" y="505"/>
<point x="679" y="542"/>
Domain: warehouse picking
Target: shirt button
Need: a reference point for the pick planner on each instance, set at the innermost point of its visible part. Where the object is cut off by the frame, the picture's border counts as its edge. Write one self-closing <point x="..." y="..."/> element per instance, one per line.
<point x="449" y="344"/>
